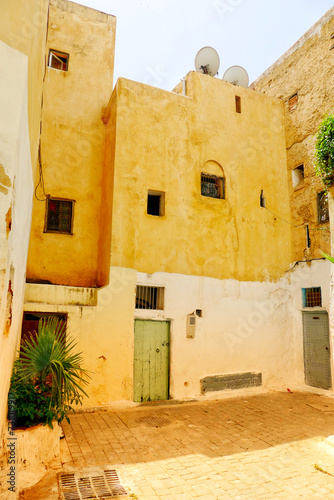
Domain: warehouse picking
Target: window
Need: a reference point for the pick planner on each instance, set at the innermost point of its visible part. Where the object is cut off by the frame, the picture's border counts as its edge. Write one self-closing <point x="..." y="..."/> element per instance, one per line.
<point x="332" y="45"/>
<point x="212" y="186"/>
<point x="312" y="297"/>
<point x="292" y="102"/>
<point x="156" y="203"/>
<point x="150" y="297"/>
<point x="31" y="321"/>
<point x="298" y="177"/>
<point x="323" y="212"/>
<point x="59" y="216"/>
<point x="238" y="104"/>
<point x="58" y="60"/>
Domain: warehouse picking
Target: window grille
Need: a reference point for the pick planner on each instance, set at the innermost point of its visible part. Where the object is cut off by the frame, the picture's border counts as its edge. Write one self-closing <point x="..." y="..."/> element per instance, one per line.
<point x="312" y="297"/>
<point x="212" y="186"/>
<point x="323" y="212"/>
<point x="59" y="215"/>
<point x="150" y="297"/>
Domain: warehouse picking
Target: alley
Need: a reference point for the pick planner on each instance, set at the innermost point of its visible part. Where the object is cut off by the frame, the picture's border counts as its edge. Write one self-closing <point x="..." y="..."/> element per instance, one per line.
<point x="266" y="446"/>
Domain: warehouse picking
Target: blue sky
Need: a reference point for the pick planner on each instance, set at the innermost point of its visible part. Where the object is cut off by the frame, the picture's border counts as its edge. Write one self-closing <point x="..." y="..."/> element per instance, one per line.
<point x="157" y="40"/>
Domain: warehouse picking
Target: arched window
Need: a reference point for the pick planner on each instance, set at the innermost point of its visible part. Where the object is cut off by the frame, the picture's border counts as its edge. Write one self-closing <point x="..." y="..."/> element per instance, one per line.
<point x="212" y="180"/>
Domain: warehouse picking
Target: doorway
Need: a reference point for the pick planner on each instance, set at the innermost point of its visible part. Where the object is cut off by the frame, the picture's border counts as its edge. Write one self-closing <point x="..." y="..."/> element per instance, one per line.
<point x="151" y="360"/>
<point x="317" y="364"/>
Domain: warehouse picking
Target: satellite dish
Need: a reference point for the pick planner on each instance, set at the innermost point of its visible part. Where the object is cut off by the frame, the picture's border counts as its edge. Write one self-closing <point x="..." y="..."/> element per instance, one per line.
<point x="207" y="61"/>
<point x="237" y="75"/>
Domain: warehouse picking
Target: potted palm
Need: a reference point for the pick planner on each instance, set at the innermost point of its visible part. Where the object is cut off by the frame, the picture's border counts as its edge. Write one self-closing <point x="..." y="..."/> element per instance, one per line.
<point x="47" y="380"/>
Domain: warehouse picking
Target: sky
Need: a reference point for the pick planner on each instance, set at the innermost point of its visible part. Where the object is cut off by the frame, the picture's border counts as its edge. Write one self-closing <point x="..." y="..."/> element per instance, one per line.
<point x="157" y="40"/>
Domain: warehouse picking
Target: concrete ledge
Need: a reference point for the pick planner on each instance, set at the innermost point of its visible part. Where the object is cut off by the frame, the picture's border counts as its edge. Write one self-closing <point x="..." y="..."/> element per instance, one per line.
<point x="60" y="295"/>
<point x="230" y="381"/>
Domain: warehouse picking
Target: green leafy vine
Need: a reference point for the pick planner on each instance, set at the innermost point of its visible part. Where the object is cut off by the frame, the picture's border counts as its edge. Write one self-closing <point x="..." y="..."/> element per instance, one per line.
<point x="324" y="151"/>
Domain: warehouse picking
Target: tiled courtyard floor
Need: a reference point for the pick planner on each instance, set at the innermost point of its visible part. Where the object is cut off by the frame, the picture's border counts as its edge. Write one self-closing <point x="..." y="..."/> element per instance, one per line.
<point x="257" y="447"/>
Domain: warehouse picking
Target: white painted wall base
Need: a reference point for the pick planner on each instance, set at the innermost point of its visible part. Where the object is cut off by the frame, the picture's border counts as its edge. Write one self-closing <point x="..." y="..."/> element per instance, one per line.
<point x="244" y="327"/>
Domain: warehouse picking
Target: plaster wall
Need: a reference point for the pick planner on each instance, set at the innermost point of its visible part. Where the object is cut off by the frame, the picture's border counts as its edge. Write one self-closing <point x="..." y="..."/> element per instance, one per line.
<point x="308" y="275"/>
<point x="23" y="26"/>
<point x="306" y="69"/>
<point x="245" y="326"/>
<point x="73" y="146"/>
<point x="16" y="188"/>
<point x="163" y="142"/>
<point x="103" y="331"/>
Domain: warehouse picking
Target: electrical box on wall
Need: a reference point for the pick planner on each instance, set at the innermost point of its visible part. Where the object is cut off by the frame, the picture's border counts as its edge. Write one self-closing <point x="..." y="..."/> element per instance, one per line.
<point x="191" y="326"/>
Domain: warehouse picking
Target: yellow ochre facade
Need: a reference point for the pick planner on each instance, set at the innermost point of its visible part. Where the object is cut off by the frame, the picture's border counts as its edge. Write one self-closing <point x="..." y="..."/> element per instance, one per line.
<point x="164" y="141"/>
<point x="73" y="147"/>
<point x="137" y="166"/>
<point x="226" y="260"/>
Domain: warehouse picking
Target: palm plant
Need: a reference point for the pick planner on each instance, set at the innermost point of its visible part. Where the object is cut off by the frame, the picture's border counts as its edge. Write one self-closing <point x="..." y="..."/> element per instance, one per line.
<point x="328" y="257"/>
<point x="49" y="363"/>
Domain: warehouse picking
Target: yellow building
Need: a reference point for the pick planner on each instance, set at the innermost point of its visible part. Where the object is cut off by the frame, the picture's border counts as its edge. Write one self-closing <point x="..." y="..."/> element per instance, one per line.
<point x="188" y="229"/>
<point x="70" y="219"/>
<point x="187" y="194"/>
<point x="22" y="64"/>
<point x="161" y="223"/>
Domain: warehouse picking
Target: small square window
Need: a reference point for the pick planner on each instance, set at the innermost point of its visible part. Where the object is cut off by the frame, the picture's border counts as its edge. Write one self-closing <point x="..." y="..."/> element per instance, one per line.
<point x="156" y="203"/>
<point x="312" y="297"/>
<point x="298" y="177"/>
<point x="212" y="186"/>
<point x="323" y="211"/>
<point x="58" y="60"/>
<point x="59" y="216"/>
<point x="238" y="104"/>
<point x="292" y="102"/>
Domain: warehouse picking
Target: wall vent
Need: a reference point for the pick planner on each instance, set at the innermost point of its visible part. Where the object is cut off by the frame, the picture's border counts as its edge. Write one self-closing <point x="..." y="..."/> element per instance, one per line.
<point x="230" y="381"/>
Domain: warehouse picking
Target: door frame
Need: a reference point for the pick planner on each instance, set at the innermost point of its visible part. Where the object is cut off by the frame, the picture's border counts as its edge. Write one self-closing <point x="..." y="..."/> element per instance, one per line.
<point x="158" y="320"/>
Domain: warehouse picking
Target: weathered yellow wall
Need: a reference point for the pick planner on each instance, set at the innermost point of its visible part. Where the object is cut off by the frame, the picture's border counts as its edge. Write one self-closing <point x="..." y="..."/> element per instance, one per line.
<point x="107" y="193"/>
<point x="103" y="331"/>
<point x="23" y="26"/>
<point x="22" y="46"/>
<point x="307" y="68"/>
<point x="72" y="145"/>
<point x="163" y="143"/>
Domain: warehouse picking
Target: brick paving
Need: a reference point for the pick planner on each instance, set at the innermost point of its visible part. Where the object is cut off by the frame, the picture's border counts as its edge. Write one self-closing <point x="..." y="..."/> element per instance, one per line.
<point x="258" y="447"/>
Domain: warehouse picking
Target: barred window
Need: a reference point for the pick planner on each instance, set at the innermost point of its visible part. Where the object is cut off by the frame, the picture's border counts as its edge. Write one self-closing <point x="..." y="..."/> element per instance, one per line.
<point x="312" y="297"/>
<point x="59" y="216"/>
<point x="323" y="212"/>
<point x="150" y="297"/>
<point x="212" y="186"/>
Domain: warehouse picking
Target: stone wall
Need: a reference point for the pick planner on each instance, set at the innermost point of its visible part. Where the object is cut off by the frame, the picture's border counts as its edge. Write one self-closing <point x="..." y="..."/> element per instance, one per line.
<point x="303" y="78"/>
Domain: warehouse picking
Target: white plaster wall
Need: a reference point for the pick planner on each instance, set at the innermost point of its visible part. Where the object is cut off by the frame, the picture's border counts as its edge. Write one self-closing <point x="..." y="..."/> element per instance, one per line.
<point x="104" y="333"/>
<point x="246" y="326"/>
<point x="249" y="326"/>
<point x="306" y="275"/>
<point x="16" y="169"/>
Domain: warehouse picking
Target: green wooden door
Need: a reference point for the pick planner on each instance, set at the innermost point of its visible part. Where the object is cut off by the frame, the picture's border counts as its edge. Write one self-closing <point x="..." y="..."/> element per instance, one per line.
<point x="151" y="360"/>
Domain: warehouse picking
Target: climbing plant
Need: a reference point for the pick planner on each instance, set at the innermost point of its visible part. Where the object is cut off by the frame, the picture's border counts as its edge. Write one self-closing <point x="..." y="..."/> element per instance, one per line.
<point x="324" y="151"/>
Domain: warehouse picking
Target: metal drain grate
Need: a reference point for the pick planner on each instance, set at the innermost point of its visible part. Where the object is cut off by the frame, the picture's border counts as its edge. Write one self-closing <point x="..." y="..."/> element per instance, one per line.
<point x="153" y="421"/>
<point x="90" y="485"/>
